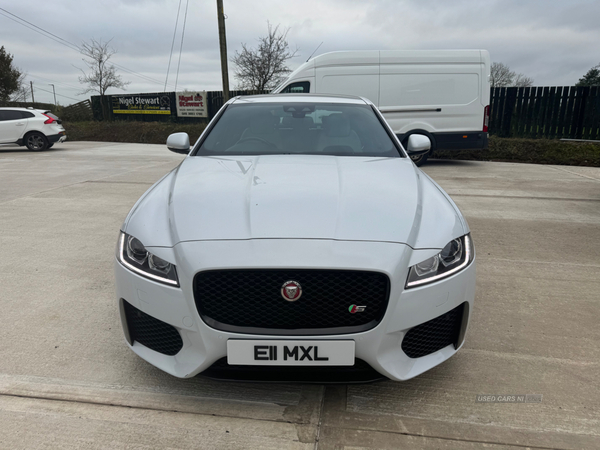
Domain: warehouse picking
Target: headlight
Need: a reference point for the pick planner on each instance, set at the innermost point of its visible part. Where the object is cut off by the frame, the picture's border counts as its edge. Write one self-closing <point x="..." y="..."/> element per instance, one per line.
<point x="454" y="257"/>
<point x="133" y="255"/>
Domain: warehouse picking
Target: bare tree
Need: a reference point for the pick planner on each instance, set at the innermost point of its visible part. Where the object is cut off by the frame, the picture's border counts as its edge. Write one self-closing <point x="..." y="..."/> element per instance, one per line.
<point x="522" y="81"/>
<point x="22" y="93"/>
<point x="102" y="75"/>
<point x="502" y="76"/>
<point x="264" y="68"/>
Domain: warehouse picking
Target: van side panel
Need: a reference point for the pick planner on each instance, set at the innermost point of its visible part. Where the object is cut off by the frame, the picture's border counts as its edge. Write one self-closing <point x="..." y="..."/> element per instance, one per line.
<point x="447" y="96"/>
<point x="362" y="81"/>
<point x="427" y="89"/>
<point x="441" y="93"/>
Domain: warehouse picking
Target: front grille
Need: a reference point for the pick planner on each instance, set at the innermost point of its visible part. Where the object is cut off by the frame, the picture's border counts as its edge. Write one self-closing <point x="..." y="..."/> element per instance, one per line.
<point x="360" y="372"/>
<point x="152" y="333"/>
<point x="250" y="301"/>
<point x="434" y="335"/>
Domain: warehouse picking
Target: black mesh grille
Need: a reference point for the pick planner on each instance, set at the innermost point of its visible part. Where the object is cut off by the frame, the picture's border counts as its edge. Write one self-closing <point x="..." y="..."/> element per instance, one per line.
<point x="360" y="372"/>
<point x="250" y="301"/>
<point x="153" y="333"/>
<point x="433" y="335"/>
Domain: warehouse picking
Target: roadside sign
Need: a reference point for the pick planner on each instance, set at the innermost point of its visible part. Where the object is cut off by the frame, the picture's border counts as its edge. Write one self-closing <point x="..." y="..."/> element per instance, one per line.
<point x="191" y="104"/>
<point x="141" y="104"/>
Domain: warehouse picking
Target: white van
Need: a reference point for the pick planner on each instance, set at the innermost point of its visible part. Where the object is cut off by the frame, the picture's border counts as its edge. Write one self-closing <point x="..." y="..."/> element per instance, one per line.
<point x="443" y="94"/>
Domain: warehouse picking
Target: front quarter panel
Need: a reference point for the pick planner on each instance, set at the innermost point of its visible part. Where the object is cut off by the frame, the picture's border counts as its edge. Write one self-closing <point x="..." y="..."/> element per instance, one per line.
<point x="148" y="220"/>
<point x="437" y="220"/>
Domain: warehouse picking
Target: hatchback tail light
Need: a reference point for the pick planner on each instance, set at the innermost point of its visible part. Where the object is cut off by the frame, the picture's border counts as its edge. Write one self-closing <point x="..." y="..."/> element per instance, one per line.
<point x="486" y="118"/>
<point x="50" y="119"/>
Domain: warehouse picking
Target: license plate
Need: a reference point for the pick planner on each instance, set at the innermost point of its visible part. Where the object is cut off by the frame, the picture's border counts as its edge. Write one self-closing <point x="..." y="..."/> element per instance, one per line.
<point x="290" y="353"/>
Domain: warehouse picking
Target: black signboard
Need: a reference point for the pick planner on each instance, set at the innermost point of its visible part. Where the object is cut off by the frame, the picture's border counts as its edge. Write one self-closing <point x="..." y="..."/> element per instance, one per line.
<point x="142" y="104"/>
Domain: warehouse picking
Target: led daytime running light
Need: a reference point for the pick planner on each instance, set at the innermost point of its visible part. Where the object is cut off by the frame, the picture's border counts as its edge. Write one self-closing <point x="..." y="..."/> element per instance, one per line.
<point x="465" y="263"/>
<point x="137" y="269"/>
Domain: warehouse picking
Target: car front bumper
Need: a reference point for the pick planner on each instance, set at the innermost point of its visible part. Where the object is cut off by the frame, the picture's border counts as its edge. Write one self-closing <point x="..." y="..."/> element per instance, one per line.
<point x="380" y="347"/>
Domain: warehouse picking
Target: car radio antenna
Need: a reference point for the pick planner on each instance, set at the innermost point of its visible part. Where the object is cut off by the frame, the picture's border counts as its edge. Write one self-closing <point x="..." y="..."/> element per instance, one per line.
<point x="314" y="51"/>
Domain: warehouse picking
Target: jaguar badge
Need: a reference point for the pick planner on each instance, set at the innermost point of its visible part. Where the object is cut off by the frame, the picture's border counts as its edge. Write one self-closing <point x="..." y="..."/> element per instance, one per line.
<point x="291" y="291"/>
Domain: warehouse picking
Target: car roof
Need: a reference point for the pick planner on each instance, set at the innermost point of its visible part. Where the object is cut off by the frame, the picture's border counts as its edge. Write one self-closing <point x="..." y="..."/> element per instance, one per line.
<point x="302" y="98"/>
<point x="20" y="108"/>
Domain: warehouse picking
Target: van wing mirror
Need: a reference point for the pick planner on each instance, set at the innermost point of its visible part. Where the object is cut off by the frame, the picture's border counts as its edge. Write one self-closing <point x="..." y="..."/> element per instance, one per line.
<point x="418" y="144"/>
<point x="179" y="143"/>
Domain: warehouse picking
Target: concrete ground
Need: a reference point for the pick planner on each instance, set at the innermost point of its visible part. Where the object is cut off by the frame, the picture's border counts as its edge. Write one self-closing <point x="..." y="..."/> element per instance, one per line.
<point x="68" y="381"/>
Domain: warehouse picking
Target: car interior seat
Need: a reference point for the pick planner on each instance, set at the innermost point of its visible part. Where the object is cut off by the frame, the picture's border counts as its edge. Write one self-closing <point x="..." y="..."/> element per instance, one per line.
<point x="263" y="127"/>
<point x="336" y="132"/>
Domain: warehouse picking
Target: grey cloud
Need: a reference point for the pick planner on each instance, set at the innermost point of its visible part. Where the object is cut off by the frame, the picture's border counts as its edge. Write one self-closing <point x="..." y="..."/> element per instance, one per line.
<point x="553" y="41"/>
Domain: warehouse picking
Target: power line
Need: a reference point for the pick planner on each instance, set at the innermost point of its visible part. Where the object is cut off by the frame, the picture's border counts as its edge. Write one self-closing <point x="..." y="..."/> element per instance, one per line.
<point x="63" y="85"/>
<point x="172" y="45"/>
<point x="60" y="95"/>
<point x="51" y="34"/>
<point x="37" y="31"/>
<point x="68" y="44"/>
<point x="145" y="77"/>
<point x="181" y="46"/>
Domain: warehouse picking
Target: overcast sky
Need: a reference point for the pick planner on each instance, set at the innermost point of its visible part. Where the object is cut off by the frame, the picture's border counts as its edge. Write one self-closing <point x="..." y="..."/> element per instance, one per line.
<point x="552" y="41"/>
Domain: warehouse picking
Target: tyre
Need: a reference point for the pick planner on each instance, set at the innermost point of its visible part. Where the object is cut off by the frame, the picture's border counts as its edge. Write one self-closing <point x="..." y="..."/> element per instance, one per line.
<point x="50" y="145"/>
<point x="36" y="141"/>
<point x="419" y="160"/>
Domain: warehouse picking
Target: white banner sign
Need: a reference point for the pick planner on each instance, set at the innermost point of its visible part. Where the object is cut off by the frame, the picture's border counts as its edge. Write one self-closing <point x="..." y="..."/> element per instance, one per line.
<point x="191" y="104"/>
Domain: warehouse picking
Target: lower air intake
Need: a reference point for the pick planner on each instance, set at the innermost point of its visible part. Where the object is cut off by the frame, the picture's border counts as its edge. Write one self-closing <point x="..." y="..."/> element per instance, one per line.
<point x="434" y="335"/>
<point x="152" y="333"/>
<point x="360" y="372"/>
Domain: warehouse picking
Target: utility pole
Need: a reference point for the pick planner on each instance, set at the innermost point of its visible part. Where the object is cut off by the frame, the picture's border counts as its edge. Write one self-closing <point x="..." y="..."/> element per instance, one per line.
<point x="32" y="98"/>
<point x="54" y="92"/>
<point x="223" y="44"/>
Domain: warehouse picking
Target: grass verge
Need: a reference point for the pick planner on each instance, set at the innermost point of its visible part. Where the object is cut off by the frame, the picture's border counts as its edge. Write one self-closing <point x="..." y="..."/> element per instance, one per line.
<point x="534" y="151"/>
<point x="129" y="131"/>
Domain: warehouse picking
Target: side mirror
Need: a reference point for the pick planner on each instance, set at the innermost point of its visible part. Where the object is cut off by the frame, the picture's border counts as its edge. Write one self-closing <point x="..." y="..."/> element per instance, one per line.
<point x="418" y="144"/>
<point x="179" y="143"/>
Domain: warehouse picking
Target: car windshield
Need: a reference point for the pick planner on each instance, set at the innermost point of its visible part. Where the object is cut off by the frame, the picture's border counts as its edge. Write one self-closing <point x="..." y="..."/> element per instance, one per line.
<point x="298" y="128"/>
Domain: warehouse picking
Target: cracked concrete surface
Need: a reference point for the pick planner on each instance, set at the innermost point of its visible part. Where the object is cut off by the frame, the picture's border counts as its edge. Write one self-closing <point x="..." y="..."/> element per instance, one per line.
<point x="68" y="381"/>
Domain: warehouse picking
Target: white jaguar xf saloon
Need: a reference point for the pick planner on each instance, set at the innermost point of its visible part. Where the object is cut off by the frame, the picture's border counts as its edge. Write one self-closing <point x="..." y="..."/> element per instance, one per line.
<point x="296" y="241"/>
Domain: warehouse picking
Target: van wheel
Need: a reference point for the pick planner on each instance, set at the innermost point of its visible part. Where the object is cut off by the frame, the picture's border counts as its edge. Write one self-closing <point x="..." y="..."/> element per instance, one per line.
<point x="419" y="160"/>
<point x="36" y="141"/>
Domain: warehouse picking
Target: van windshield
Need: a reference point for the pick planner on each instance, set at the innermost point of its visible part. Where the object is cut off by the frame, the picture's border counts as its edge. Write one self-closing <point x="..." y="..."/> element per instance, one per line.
<point x="299" y="128"/>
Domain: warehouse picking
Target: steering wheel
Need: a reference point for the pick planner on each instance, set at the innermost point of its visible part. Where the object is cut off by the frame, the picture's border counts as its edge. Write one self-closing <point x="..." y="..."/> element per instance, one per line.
<point x="254" y="138"/>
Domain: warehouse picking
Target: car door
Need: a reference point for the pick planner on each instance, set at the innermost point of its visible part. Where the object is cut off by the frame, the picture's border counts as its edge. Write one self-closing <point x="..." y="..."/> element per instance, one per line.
<point x="12" y="125"/>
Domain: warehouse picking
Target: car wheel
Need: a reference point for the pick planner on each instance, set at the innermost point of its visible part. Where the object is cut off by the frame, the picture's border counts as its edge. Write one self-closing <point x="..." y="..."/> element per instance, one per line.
<point x="36" y="141"/>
